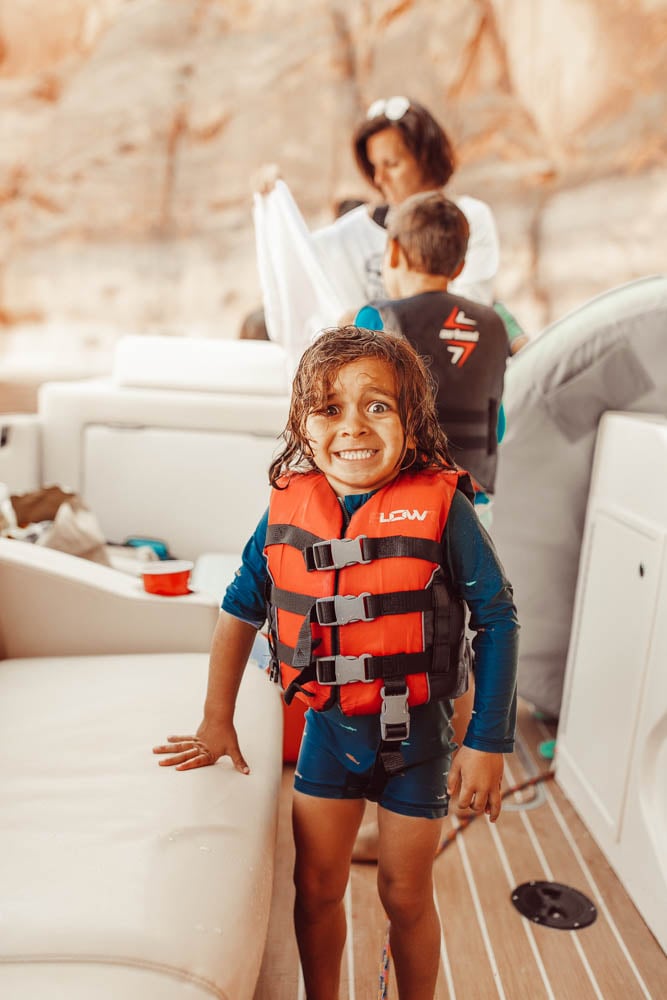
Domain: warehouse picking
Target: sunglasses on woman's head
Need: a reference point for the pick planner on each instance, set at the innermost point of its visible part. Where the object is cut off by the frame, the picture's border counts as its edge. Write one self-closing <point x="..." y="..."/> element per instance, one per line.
<point x="392" y="108"/>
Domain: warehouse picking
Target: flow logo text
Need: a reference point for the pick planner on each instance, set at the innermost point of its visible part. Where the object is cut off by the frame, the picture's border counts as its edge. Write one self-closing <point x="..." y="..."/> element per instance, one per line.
<point x="403" y="515"/>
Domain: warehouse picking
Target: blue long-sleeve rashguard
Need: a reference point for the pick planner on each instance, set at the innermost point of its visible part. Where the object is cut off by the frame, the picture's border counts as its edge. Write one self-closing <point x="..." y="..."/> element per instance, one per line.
<point x="471" y="564"/>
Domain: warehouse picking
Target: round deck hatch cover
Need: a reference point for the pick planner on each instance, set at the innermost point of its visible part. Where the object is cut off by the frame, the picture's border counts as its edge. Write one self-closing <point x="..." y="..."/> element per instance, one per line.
<point x="554" y="905"/>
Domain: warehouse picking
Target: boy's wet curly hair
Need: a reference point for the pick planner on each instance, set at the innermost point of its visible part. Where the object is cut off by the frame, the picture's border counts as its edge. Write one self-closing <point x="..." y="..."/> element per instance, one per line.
<point x="317" y="371"/>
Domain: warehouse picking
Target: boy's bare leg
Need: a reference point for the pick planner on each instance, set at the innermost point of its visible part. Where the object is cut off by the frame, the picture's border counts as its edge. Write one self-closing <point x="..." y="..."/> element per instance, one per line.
<point x="324" y="832"/>
<point x="366" y="844"/>
<point x="407" y="849"/>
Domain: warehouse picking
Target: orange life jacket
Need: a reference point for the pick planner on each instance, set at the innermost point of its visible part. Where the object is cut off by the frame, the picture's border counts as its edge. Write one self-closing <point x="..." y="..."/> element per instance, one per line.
<point x="359" y="612"/>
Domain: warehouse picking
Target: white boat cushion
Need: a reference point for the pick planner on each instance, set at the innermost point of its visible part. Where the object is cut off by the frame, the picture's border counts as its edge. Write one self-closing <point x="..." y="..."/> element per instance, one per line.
<point x="66" y="980"/>
<point x="55" y="604"/>
<point x="131" y="874"/>
<point x="200" y="453"/>
<point x="195" y="490"/>
<point x="244" y="367"/>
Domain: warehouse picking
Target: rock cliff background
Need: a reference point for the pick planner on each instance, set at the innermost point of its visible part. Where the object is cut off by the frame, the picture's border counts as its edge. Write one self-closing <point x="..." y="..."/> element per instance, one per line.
<point x="129" y="130"/>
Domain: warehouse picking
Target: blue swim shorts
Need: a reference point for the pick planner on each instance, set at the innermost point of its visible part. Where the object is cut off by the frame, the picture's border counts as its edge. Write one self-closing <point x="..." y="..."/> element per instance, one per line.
<point x="338" y="757"/>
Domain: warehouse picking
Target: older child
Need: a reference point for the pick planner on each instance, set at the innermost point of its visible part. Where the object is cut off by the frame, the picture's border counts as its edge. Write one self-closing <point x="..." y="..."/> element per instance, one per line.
<point x="466" y="342"/>
<point x="367" y="553"/>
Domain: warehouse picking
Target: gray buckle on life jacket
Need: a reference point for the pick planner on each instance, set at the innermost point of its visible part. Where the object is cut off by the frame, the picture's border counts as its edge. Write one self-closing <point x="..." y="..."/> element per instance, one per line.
<point x="394" y="716"/>
<point x="342" y="669"/>
<point x="342" y="609"/>
<point x="336" y="553"/>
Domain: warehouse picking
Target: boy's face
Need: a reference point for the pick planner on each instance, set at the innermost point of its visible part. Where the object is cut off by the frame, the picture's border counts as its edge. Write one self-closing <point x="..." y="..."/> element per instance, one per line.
<point x="357" y="438"/>
<point x="396" y="171"/>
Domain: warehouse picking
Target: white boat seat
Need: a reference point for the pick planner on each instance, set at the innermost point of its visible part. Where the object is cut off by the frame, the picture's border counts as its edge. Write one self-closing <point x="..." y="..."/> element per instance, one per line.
<point x="121" y="878"/>
<point x="131" y="878"/>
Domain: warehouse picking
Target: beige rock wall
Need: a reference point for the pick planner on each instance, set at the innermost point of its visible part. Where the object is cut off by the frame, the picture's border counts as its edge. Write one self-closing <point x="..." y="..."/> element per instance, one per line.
<point x="129" y="130"/>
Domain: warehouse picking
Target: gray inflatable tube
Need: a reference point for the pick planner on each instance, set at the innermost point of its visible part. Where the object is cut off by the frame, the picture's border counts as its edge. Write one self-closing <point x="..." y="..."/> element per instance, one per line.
<point x="610" y="354"/>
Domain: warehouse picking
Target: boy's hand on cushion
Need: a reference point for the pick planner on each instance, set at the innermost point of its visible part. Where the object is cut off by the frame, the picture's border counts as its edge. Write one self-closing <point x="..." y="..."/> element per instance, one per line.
<point x="210" y="743"/>
<point x="477" y="776"/>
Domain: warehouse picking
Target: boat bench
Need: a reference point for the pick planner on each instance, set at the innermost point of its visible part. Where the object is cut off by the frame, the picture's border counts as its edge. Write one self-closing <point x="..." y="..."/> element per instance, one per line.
<point x="174" y="445"/>
<point x="121" y="878"/>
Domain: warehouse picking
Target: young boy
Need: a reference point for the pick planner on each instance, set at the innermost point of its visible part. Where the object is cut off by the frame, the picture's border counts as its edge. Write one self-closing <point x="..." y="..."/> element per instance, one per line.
<point x="467" y="342"/>
<point x="366" y="557"/>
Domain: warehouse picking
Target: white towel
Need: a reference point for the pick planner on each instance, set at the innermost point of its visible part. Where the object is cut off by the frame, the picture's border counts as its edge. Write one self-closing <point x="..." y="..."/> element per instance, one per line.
<point x="299" y="298"/>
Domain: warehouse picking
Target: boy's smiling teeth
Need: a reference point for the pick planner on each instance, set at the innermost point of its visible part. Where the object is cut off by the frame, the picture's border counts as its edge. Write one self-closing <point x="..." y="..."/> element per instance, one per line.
<point x="358" y="454"/>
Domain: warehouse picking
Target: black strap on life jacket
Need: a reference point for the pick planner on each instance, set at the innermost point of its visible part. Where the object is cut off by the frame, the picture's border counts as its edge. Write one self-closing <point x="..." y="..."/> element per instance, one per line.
<point x="342" y="609"/>
<point x="336" y="553"/>
<point x="338" y="610"/>
<point x="289" y="534"/>
<point x="339" y="670"/>
<point x="394" y="725"/>
<point x="481" y="430"/>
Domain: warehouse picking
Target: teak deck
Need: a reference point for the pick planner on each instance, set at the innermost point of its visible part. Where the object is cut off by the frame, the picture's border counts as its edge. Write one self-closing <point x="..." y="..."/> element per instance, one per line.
<point x="488" y="950"/>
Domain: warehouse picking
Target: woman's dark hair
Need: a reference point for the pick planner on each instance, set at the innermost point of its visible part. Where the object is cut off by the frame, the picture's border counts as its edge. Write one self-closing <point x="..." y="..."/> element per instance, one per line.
<point x="317" y="371"/>
<point x="422" y="135"/>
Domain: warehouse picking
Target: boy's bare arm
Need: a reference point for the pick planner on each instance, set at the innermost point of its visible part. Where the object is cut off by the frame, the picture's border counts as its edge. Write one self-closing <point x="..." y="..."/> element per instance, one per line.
<point x="216" y="736"/>
<point x="479" y="775"/>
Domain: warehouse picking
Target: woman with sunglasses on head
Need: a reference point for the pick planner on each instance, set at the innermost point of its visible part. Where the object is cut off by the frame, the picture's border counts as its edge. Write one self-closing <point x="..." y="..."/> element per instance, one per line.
<point x="401" y="150"/>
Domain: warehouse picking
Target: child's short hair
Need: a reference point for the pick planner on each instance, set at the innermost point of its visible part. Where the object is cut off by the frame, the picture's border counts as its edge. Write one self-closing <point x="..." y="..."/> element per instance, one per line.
<point x="431" y="231"/>
<point x="317" y="371"/>
<point x="423" y="136"/>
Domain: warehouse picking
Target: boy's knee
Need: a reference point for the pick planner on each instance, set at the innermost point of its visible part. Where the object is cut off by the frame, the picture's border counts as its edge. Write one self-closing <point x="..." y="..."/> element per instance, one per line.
<point x="404" y="902"/>
<point x="318" y="888"/>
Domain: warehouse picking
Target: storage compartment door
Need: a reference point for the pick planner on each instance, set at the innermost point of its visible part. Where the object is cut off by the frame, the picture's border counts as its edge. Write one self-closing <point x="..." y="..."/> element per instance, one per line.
<point x="607" y="667"/>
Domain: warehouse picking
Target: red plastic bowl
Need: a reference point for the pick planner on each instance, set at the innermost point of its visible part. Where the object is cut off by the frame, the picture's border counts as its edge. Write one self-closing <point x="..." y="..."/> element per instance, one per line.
<point x="170" y="578"/>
